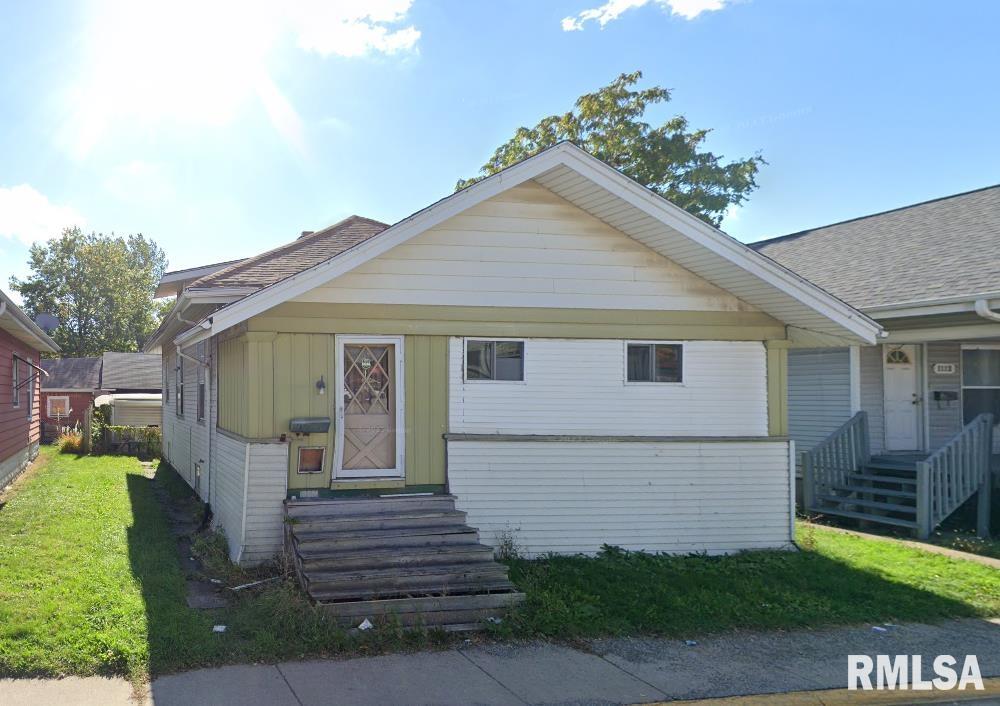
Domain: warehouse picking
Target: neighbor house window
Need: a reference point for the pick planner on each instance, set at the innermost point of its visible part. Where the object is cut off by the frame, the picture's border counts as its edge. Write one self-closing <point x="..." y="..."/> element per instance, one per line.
<point x="57" y="407"/>
<point x="494" y="360"/>
<point x="16" y="382"/>
<point x="31" y="390"/>
<point x="980" y="383"/>
<point x="654" y="362"/>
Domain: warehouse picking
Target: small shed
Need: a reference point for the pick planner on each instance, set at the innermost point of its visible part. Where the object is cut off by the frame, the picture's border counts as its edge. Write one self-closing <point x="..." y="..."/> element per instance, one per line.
<point x="134" y="409"/>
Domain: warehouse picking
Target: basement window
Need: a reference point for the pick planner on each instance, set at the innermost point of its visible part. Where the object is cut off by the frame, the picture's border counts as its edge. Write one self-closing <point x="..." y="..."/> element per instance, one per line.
<point x="494" y="360"/>
<point x="311" y="459"/>
<point x="654" y="362"/>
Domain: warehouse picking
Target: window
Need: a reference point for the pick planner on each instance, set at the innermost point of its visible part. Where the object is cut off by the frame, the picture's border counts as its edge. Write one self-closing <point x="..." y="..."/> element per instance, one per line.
<point x="654" y="362"/>
<point x="201" y="383"/>
<point x="32" y="376"/>
<point x="15" y="376"/>
<point x="494" y="360"/>
<point x="179" y="386"/>
<point x="980" y="382"/>
<point x="57" y="407"/>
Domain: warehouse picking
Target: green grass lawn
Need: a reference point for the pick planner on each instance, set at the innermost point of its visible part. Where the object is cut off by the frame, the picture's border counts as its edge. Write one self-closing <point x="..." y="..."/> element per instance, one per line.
<point x="90" y="583"/>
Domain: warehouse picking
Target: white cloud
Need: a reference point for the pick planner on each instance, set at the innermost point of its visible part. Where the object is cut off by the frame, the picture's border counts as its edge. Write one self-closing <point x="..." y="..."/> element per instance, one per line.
<point x="27" y="215"/>
<point x="613" y="9"/>
<point x="352" y="29"/>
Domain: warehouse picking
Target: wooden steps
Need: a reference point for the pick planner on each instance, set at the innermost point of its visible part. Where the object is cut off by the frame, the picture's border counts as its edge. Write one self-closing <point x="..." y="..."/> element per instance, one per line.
<point x="884" y="492"/>
<point x="411" y="559"/>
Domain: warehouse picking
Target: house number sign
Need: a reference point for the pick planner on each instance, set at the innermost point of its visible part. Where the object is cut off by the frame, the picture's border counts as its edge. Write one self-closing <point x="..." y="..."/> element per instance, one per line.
<point x="945" y="368"/>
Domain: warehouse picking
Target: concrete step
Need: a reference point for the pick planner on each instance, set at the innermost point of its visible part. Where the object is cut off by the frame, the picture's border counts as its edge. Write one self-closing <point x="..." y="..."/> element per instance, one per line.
<point x="377" y="521"/>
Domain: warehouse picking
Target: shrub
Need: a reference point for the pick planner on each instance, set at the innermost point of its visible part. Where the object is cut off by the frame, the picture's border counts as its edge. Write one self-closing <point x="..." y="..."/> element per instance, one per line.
<point x="70" y="441"/>
<point x="142" y="441"/>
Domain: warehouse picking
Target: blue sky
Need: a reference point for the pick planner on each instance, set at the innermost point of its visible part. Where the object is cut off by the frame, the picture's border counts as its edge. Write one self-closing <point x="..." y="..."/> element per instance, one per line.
<point x="222" y="133"/>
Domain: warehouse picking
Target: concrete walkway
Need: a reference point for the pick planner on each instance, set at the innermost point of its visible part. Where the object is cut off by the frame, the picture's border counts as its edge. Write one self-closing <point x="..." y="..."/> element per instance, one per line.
<point x="613" y="671"/>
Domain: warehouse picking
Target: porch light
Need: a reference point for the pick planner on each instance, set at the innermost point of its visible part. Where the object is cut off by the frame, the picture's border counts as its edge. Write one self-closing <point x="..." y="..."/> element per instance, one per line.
<point x="321" y="385"/>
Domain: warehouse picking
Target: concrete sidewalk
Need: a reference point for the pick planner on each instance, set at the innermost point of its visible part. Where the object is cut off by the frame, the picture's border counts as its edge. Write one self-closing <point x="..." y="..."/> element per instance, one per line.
<point x="615" y="671"/>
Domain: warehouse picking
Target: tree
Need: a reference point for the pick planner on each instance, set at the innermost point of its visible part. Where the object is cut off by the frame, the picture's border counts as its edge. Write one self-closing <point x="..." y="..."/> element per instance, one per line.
<point x="99" y="286"/>
<point x="668" y="159"/>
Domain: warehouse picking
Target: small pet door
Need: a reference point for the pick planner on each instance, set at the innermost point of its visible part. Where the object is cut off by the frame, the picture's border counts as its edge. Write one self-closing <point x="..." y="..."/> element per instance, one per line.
<point x="311" y="459"/>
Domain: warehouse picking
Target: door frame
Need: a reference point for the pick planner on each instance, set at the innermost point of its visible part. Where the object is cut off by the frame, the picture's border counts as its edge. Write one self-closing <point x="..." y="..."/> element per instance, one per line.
<point x="918" y="390"/>
<point x="337" y="471"/>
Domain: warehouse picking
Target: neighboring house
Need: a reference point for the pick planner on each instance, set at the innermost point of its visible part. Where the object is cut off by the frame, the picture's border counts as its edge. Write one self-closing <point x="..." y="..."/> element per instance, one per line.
<point x="930" y="275"/>
<point x="22" y="343"/>
<point x="129" y="382"/>
<point x="68" y="391"/>
<point x="574" y="359"/>
<point x="132" y="385"/>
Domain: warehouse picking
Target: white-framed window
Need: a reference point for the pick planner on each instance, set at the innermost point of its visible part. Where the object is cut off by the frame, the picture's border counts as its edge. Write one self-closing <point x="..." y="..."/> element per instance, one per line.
<point x="15" y="377"/>
<point x="654" y="362"/>
<point x="980" y="381"/>
<point x="201" y="383"/>
<point x="179" y="387"/>
<point x="494" y="360"/>
<point x="57" y="407"/>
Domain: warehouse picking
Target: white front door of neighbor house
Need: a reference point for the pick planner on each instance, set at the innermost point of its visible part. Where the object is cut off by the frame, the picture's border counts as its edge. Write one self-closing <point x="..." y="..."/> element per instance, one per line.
<point x="902" y="398"/>
<point x="369" y="407"/>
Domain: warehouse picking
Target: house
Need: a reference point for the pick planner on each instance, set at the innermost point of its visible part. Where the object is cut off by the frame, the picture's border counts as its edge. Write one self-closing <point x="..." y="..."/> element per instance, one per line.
<point x="22" y="344"/>
<point x="129" y="382"/>
<point x="929" y="274"/>
<point x="68" y="391"/>
<point x="554" y="358"/>
<point x="132" y="385"/>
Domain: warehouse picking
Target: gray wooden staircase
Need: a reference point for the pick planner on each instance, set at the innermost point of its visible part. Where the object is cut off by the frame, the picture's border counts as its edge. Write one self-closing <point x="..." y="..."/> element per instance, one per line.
<point x="410" y="557"/>
<point x="842" y="479"/>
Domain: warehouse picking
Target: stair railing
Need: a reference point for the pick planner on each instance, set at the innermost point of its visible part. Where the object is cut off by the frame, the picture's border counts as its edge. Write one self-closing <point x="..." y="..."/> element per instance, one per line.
<point x="949" y="477"/>
<point x="833" y="460"/>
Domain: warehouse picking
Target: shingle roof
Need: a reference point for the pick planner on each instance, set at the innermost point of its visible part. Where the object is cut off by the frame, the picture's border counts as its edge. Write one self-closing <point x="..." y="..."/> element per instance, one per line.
<point x="131" y="371"/>
<point x="294" y="257"/>
<point x="948" y="247"/>
<point x="71" y="373"/>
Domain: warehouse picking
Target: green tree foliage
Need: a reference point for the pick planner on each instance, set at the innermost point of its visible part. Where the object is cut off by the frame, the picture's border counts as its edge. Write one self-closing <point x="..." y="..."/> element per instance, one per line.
<point x="99" y="286"/>
<point x="669" y="159"/>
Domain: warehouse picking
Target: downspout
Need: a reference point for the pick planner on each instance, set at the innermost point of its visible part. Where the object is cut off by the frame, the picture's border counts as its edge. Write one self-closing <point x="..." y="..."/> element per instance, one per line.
<point x="983" y="309"/>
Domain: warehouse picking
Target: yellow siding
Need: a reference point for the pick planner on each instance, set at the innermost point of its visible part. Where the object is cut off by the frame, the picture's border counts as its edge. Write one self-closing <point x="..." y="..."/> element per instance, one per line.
<point x="777" y="389"/>
<point x="233" y="376"/>
<point x="426" y="359"/>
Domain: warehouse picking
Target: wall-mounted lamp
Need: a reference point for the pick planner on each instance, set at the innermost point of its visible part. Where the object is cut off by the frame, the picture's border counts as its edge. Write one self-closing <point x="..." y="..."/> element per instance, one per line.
<point x="321" y="386"/>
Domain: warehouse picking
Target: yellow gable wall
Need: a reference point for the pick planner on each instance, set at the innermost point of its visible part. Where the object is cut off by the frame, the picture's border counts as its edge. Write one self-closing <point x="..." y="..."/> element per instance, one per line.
<point x="526" y="247"/>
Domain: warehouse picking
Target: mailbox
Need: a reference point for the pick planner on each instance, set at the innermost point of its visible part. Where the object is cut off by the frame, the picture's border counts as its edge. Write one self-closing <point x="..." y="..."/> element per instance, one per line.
<point x="310" y="425"/>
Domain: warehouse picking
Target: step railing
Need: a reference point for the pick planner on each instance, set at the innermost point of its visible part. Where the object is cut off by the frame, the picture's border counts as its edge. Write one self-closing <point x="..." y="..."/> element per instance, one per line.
<point x="833" y="460"/>
<point x="950" y="476"/>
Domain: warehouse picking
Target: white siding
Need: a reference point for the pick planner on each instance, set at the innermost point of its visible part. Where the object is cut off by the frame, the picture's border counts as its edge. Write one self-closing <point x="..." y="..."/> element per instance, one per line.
<point x="944" y="419"/>
<point x="266" y="491"/>
<point x="578" y="387"/>
<point x="572" y="497"/>
<point x="229" y="478"/>
<point x="872" y="397"/>
<point x="185" y="438"/>
<point x="819" y="394"/>
<point x="136" y="413"/>
<point x="526" y="247"/>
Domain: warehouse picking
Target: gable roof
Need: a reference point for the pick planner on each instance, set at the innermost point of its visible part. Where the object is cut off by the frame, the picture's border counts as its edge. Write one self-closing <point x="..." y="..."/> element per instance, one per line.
<point x="20" y="326"/>
<point x="131" y="371"/>
<point x="811" y="314"/>
<point x="947" y="247"/>
<point x="286" y="260"/>
<point x="71" y="373"/>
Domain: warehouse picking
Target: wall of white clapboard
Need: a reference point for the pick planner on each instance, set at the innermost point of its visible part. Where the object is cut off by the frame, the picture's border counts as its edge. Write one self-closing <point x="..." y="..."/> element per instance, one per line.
<point x="819" y="394"/>
<point x="573" y="497"/>
<point x="244" y="480"/>
<point x="578" y="387"/>
<point x="526" y="247"/>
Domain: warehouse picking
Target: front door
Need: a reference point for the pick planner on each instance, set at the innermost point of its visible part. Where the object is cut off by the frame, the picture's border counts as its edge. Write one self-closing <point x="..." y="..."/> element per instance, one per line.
<point x="902" y="398"/>
<point x="369" y="407"/>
